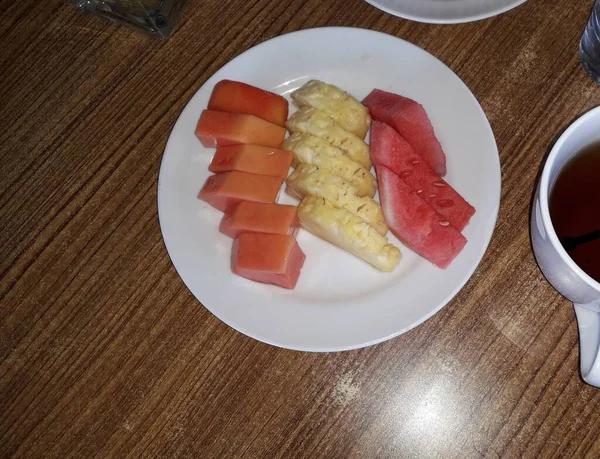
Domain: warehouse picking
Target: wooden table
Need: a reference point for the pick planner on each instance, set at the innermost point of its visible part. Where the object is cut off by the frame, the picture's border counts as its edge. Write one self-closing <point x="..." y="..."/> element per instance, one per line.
<point x="105" y="353"/>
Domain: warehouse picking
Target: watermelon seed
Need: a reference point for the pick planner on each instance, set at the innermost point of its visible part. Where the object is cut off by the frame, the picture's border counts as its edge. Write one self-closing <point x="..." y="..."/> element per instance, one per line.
<point x="444" y="223"/>
<point x="440" y="184"/>
<point x="415" y="162"/>
<point x="431" y="196"/>
<point x="404" y="174"/>
<point x="419" y="191"/>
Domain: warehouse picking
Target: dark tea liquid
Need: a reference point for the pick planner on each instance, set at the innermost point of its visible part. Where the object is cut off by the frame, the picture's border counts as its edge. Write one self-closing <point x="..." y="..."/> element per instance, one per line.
<point x="575" y="209"/>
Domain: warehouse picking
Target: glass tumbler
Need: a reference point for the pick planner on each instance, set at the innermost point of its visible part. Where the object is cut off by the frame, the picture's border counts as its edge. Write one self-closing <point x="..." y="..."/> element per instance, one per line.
<point x="589" y="47"/>
<point x="156" y="18"/>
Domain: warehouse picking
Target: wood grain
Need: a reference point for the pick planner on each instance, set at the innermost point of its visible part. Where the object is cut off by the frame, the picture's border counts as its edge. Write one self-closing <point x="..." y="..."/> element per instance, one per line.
<point x="105" y="353"/>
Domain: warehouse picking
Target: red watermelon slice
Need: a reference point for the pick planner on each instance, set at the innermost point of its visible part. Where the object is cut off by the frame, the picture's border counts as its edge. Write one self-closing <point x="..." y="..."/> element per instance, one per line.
<point x="389" y="149"/>
<point x="410" y="119"/>
<point x="415" y="223"/>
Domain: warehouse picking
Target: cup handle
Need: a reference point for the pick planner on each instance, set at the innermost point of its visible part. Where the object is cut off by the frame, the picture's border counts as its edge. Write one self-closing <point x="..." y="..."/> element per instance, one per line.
<point x="588" y="322"/>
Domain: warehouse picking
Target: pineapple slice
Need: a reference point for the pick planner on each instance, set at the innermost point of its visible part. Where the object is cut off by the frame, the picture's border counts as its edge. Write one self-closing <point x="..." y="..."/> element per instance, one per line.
<point x="341" y="106"/>
<point x="320" y="124"/>
<point x="316" y="181"/>
<point x="309" y="149"/>
<point x="347" y="231"/>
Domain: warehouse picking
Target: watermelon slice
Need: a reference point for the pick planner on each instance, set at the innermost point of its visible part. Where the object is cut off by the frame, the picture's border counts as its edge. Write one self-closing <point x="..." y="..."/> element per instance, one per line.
<point x="410" y="119"/>
<point x="389" y="149"/>
<point x="268" y="258"/>
<point x="415" y="222"/>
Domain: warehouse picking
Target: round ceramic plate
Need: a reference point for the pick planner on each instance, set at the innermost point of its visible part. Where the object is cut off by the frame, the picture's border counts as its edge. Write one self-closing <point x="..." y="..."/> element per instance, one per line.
<point x="445" y="11"/>
<point x="340" y="302"/>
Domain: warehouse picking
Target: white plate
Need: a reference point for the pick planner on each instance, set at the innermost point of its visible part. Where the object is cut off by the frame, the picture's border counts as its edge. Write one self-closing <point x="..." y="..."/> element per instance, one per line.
<point x="340" y="302"/>
<point x="445" y="11"/>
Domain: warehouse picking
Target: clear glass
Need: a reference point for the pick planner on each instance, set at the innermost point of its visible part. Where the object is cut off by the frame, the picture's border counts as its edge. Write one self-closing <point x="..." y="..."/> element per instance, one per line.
<point x="153" y="17"/>
<point x="589" y="47"/>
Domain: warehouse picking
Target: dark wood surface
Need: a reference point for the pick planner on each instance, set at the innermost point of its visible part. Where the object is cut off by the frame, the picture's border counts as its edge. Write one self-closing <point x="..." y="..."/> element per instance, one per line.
<point x="105" y="353"/>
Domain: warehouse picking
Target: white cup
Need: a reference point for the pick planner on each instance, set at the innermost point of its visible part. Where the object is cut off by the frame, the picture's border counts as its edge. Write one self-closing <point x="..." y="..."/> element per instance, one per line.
<point x="558" y="267"/>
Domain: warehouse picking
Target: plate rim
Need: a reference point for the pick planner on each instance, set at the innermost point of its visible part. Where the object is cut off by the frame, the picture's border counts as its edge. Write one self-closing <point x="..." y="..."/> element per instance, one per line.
<point x="436" y="20"/>
<point x="494" y="212"/>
